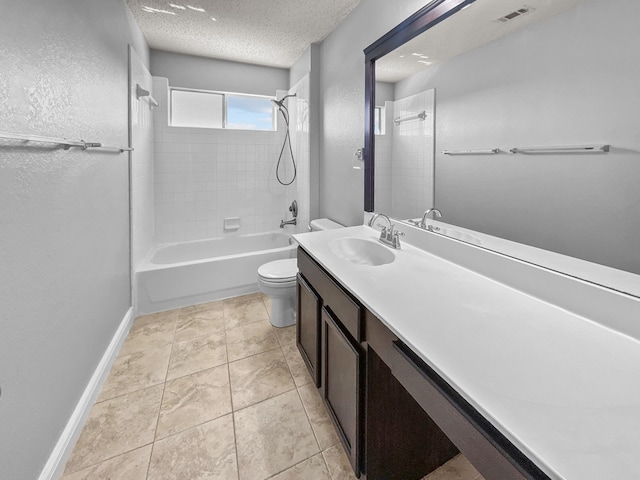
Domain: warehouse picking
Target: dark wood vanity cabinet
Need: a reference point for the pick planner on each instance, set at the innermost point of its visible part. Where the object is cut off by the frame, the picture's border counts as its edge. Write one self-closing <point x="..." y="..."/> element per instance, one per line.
<point x="341" y="387"/>
<point x="308" y="327"/>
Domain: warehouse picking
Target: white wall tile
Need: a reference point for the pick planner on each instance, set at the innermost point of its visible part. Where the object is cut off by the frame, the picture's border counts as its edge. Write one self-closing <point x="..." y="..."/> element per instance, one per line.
<point x="204" y="175"/>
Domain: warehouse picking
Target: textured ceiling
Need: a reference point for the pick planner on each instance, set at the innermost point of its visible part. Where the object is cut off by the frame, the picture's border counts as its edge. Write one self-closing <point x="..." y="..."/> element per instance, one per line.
<point x="479" y="26"/>
<point x="263" y="32"/>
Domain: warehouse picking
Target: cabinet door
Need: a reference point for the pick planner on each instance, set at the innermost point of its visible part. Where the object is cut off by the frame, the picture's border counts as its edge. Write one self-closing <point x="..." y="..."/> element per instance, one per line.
<point x="308" y="328"/>
<point x="342" y="367"/>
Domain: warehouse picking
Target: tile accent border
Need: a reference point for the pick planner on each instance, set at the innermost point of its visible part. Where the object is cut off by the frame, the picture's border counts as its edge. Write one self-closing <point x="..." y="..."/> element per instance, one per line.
<point x="54" y="467"/>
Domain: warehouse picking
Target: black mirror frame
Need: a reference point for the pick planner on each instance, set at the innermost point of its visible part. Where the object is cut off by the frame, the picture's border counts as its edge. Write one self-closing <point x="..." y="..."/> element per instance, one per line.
<point x="425" y="18"/>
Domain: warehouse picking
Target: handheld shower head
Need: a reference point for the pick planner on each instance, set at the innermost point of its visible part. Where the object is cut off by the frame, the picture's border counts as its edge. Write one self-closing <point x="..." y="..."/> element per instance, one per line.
<point x="280" y="103"/>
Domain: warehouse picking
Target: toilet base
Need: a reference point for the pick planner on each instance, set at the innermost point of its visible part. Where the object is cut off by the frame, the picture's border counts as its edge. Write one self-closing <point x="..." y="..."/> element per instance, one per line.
<point x="283" y="311"/>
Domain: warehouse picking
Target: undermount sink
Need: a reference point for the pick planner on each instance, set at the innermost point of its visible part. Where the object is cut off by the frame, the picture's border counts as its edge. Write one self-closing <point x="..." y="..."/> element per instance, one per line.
<point x="361" y="251"/>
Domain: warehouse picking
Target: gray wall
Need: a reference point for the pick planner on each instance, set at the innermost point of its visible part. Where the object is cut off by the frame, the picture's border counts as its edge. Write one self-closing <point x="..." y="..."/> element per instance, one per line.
<point x="64" y="215"/>
<point x="569" y="80"/>
<point x="342" y="111"/>
<point x="301" y="67"/>
<point x="385" y="92"/>
<point x="190" y="71"/>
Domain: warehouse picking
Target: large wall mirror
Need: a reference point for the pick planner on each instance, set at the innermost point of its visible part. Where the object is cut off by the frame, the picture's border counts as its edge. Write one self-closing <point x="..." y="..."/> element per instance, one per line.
<point x="517" y="119"/>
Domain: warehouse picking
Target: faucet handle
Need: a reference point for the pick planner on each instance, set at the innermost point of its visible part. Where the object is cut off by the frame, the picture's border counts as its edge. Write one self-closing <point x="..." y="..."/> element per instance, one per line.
<point x="383" y="229"/>
<point x="395" y="241"/>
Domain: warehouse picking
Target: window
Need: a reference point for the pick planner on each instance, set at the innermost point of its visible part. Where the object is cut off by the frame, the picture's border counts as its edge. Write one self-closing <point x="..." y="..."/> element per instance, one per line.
<point x="378" y="120"/>
<point x="205" y="109"/>
<point x="249" y="113"/>
<point x="196" y="109"/>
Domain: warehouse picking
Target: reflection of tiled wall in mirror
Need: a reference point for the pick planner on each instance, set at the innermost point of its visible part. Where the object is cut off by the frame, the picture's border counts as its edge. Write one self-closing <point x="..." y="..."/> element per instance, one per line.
<point x="383" y="156"/>
<point x="412" y="153"/>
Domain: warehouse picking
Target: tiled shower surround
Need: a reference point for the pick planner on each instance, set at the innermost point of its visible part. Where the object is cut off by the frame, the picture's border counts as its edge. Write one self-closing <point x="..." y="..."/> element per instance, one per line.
<point x="203" y="176"/>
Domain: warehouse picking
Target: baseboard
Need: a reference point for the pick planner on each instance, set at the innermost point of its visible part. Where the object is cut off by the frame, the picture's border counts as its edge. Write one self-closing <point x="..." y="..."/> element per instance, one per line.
<point x="56" y="463"/>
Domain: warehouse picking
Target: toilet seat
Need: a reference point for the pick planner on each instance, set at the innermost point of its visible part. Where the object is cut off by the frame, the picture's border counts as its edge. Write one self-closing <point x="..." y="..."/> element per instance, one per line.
<point x="279" y="271"/>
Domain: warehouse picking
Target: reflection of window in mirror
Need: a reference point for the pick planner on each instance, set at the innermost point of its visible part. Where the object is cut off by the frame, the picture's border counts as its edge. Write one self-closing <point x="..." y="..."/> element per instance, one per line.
<point x="379" y="121"/>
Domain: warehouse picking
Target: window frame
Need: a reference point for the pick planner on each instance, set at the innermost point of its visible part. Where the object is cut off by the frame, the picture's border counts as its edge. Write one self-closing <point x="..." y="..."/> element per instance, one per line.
<point x="274" y="115"/>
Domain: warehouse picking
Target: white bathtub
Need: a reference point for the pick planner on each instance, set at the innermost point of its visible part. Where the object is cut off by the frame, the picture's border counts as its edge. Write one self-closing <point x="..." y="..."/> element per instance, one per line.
<point x="181" y="274"/>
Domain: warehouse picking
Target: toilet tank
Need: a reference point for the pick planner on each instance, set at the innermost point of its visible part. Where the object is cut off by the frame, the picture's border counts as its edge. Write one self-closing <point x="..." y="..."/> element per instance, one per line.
<point x="323" y="224"/>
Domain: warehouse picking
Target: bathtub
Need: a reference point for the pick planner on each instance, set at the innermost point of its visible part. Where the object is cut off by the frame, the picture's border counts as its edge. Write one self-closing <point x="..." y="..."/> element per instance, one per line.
<point x="181" y="274"/>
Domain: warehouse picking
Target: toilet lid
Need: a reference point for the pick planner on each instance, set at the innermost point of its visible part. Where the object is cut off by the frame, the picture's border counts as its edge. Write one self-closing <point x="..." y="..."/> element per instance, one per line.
<point x="279" y="270"/>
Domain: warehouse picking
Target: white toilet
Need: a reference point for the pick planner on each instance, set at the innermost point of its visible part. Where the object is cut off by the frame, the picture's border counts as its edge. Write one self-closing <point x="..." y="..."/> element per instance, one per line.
<point x="278" y="280"/>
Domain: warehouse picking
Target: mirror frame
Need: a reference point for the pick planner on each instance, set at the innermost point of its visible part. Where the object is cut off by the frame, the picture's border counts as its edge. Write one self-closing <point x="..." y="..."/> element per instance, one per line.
<point x="428" y="16"/>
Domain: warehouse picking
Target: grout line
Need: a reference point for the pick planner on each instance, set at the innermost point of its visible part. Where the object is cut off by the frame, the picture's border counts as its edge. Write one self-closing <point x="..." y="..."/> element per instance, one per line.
<point x="166" y="374"/>
<point x="153" y="444"/>
<point x="233" y="420"/>
<point x="324" y="458"/>
<point x="256" y="354"/>
<point x="105" y="460"/>
<point x="295" y="465"/>
<point x="304" y="408"/>
<point x="293" y="380"/>
<point x="128" y="393"/>
<point x="233" y="412"/>
<point x="326" y="464"/>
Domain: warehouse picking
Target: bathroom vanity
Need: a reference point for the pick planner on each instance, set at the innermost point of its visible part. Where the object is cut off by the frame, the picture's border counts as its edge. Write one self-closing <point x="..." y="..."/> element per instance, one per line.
<point x="447" y="347"/>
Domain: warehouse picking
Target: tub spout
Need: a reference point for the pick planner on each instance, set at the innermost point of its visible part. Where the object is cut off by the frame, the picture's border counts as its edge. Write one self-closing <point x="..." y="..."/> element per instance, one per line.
<point x="293" y="221"/>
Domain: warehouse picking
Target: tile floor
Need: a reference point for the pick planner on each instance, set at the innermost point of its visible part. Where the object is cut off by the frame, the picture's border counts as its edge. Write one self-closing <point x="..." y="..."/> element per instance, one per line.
<point x="213" y="391"/>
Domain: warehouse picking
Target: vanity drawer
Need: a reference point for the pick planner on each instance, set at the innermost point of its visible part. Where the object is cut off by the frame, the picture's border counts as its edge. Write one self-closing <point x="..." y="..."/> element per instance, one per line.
<point x="489" y="450"/>
<point x="333" y="296"/>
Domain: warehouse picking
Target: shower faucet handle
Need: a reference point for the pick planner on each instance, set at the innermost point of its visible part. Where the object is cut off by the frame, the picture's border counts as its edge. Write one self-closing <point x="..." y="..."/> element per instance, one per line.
<point x="294" y="208"/>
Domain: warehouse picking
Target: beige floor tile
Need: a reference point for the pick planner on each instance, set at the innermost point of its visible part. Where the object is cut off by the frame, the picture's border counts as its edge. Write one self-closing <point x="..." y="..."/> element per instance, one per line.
<point x="241" y="312"/>
<point x="272" y="436"/>
<point x="458" y="468"/>
<point x="150" y="331"/>
<point x="313" y="468"/>
<point x="217" y="305"/>
<point x="203" y="452"/>
<point x="321" y="423"/>
<point x="198" y="323"/>
<point x="338" y="463"/>
<point x="136" y="371"/>
<point x="259" y="377"/>
<point x="246" y="340"/>
<point x="130" y="466"/>
<point x="197" y="354"/>
<point x="194" y="399"/>
<point x="285" y="335"/>
<point x="117" y="426"/>
<point x="298" y="368"/>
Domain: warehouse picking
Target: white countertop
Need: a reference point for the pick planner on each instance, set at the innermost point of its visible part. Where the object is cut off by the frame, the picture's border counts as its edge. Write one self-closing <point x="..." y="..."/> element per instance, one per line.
<point x="564" y="389"/>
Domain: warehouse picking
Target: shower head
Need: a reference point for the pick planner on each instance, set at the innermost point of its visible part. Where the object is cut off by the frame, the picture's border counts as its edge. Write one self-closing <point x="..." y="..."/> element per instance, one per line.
<point x="280" y="103"/>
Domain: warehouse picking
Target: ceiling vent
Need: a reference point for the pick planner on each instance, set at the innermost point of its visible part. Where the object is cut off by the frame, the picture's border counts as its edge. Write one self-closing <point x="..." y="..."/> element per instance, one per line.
<point x="515" y="14"/>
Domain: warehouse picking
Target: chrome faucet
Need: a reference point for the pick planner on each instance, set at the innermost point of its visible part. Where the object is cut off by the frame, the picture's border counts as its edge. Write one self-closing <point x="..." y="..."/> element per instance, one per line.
<point x="388" y="236"/>
<point x="436" y="214"/>
<point x="293" y="221"/>
<point x="294" y="210"/>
